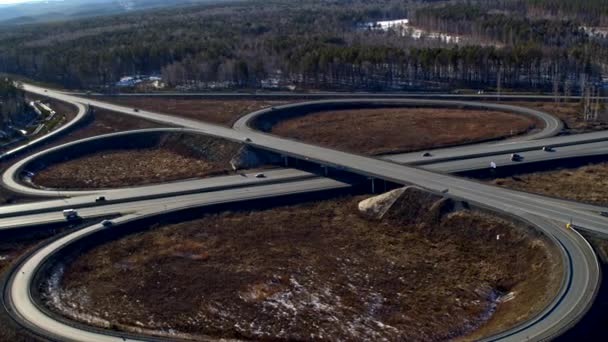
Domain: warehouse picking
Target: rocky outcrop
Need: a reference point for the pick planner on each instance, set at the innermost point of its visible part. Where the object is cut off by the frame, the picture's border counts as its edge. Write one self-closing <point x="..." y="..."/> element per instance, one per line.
<point x="375" y="207"/>
<point x="407" y="205"/>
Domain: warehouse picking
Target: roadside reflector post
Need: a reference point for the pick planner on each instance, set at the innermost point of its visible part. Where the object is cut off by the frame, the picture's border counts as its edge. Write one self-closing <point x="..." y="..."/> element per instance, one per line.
<point x="569" y="224"/>
<point x="373" y="184"/>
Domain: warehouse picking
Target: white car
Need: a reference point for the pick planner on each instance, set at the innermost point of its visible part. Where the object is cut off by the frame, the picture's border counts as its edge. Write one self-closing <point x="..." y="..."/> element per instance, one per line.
<point x="260" y="175"/>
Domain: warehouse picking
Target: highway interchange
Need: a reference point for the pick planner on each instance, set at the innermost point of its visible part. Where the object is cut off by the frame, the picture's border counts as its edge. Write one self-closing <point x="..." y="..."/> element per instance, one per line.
<point x="581" y="277"/>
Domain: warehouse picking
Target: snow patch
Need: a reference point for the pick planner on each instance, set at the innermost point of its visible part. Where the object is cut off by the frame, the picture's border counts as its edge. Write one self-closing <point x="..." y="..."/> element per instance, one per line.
<point x="404" y="29"/>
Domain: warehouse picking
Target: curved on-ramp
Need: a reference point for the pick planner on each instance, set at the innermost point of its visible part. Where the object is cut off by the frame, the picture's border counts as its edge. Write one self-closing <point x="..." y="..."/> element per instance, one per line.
<point x="10" y="177"/>
<point x="581" y="278"/>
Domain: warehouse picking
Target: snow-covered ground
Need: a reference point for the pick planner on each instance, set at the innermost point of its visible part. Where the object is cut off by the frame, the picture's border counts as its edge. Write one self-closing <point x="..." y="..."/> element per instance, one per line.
<point x="596" y="32"/>
<point x="404" y="29"/>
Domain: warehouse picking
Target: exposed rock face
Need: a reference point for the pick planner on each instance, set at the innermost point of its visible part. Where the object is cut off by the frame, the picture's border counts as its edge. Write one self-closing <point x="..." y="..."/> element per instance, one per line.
<point x="248" y="158"/>
<point x="375" y="207"/>
<point x="407" y="205"/>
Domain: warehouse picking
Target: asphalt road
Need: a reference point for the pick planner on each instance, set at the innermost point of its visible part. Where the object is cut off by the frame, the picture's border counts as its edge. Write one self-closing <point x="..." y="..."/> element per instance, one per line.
<point x="169" y="202"/>
<point x="581" y="278"/>
<point x="503" y="159"/>
<point x="21" y="212"/>
<point x="328" y="94"/>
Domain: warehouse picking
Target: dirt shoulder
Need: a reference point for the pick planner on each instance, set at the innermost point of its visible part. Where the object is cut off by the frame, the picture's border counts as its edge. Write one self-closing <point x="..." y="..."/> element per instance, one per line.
<point x="223" y="112"/>
<point x="175" y="157"/>
<point x="405" y="129"/>
<point x="584" y="184"/>
<point x="316" y="271"/>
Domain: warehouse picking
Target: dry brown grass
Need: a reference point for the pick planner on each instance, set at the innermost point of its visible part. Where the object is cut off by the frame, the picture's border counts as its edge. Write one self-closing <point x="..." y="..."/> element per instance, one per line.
<point x="174" y="158"/>
<point x="570" y="113"/>
<point x="585" y="184"/>
<point x="103" y="122"/>
<point x="318" y="269"/>
<point x="392" y="130"/>
<point x="223" y="112"/>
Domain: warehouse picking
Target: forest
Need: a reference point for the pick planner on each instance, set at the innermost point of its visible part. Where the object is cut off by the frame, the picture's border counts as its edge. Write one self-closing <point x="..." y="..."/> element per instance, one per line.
<point x="12" y="102"/>
<point x="322" y="44"/>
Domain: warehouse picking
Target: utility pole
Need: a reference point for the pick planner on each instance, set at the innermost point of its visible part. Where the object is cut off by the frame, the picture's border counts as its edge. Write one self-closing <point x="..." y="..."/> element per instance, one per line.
<point x="499" y="81"/>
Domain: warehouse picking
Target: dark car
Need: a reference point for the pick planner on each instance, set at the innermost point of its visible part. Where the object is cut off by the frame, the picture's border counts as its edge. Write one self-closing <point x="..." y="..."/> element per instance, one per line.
<point x="516" y="157"/>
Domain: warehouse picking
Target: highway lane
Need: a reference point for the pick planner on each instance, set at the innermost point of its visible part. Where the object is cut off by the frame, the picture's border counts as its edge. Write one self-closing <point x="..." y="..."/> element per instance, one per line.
<point x="558" y="318"/>
<point x="503" y="147"/>
<point x="260" y="191"/>
<point x="529" y="157"/>
<point x="328" y="94"/>
<point x="114" y="196"/>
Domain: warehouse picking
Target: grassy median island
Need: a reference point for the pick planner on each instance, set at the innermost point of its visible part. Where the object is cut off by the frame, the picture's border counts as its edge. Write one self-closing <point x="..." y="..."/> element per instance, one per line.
<point x="588" y="183"/>
<point x="319" y="270"/>
<point x="402" y="129"/>
<point x="219" y="111"/>
<point x="174" y="157"/>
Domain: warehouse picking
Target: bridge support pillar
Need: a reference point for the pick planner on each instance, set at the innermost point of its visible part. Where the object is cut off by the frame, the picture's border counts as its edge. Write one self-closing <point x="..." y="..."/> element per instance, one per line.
<point x="325" y="170"/>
